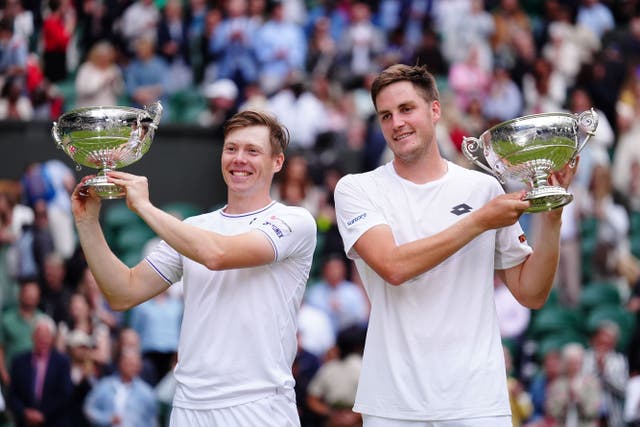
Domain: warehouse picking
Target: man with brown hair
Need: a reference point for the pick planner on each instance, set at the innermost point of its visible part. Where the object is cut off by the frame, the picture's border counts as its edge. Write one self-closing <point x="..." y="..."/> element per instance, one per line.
<point x="244" y="268"/>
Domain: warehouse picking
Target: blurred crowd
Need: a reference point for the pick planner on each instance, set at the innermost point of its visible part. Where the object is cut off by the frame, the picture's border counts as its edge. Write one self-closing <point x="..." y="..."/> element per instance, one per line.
<point x="575" y="362"/>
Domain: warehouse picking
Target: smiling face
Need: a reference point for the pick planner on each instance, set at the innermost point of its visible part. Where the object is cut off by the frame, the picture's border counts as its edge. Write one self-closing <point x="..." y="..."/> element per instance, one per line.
<point x="248" y="163"/>
<point x="407" y="121"/>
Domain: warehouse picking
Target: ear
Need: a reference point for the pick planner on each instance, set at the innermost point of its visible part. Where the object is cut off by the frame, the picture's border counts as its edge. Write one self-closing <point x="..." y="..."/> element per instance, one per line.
<point x="278" y="162"/>
<point x="435" y="110"/>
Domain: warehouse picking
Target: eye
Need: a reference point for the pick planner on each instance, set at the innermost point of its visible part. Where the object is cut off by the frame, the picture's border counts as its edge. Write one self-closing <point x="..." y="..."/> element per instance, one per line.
<point x="229" y="149"/>
<point x="385" y="116"/>
<point x="407" y="109"/>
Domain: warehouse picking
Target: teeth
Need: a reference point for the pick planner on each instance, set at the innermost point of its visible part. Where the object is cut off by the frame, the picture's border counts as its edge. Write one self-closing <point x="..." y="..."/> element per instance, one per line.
<point x="238" y="173"/>
<point x="404" y="135"/>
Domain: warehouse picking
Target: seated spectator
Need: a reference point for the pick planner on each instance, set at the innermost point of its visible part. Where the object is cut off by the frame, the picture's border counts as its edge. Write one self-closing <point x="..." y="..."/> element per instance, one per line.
<point x="222" y="98"/>
<point x="173" y="45"/>
<point x="13" y="55"/>
<point x="40" y="391"/>
<point x="343" y="301"/>
<point x="332" y="391"/>
<point x="99" y="79"/>
<point x="146" y="76"/>
<point x="573" y="399"/>
<point x="610" y="367"/>
<point x="84" y="373"/>
<point x="157" y="322"/>
<point x="138" y="21"/>
<point x="82" y="319"/>
<point x="123" y="398"/>
<point x="14" y="104"/>
<point x="281" y="48"/>
<point x="539" y="386"/>
<point x="16" y="327"/>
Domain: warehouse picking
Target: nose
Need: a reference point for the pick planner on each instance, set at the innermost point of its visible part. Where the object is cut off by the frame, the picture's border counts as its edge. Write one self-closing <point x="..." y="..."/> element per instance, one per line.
<point x="397" y="121"/>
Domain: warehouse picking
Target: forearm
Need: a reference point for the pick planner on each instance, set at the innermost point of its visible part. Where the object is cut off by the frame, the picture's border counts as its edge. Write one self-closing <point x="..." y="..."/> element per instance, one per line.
<point x="203" y="247"/>
<point x="112" y="276"/>
<point x="539" y="269"/>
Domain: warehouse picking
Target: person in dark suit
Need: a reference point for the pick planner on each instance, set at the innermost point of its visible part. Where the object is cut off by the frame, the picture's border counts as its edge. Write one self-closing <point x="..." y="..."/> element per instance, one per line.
<point x="40" y="390"/>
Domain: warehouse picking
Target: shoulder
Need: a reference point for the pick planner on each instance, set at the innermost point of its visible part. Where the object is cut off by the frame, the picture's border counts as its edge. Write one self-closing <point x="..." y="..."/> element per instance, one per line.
<point x="360" y="180"/>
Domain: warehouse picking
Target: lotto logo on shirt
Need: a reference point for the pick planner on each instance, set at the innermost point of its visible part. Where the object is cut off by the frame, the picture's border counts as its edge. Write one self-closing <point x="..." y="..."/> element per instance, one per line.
<point x="356" y="219"/>
<point x="279" y="227"/>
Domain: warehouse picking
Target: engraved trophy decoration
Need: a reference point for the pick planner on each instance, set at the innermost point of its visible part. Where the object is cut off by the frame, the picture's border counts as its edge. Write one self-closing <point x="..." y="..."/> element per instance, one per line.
<point x="106" y="138"/>
<point x="530" y="148"/>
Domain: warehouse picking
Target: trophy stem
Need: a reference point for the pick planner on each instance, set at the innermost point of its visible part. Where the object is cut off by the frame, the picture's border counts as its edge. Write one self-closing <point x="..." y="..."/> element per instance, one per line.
<point x="103" y="188"/>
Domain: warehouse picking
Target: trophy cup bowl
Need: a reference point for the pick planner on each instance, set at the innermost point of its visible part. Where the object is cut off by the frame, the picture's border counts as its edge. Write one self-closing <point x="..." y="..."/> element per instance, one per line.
<point x="530" y="148"/>
<point x="106" y="138"/>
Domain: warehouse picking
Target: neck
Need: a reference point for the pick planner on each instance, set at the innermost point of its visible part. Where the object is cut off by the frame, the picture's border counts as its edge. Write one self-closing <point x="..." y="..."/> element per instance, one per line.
<point x="422" y="170"/>
<point x="238" y="204"/>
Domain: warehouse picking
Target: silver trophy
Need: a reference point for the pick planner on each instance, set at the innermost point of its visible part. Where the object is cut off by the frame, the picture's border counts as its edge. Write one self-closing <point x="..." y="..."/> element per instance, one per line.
<point x="530" y="148"/>
<point x="106" y="138"/>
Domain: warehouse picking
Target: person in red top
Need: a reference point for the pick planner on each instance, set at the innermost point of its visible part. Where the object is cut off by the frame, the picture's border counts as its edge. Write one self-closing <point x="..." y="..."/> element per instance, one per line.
<point x="57" y="31"/>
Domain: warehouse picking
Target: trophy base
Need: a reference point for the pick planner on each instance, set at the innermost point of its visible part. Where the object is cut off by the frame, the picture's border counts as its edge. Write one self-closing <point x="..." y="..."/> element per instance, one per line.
<point x="105" y="189"/>
<point x="547" y="198"/>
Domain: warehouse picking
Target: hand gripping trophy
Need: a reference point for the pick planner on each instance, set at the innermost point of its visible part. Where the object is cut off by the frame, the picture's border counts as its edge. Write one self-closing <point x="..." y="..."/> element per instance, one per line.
<point x="530" y="148"/>
<point x="106" y="138"/>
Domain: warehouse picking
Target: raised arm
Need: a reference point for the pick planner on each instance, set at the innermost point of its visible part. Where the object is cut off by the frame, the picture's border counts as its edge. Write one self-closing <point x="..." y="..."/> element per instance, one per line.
<point x="398" y="263"/>
<point x="531" y="281"/>
<point x="213" y="250"/>
<point x="123" y="287"/>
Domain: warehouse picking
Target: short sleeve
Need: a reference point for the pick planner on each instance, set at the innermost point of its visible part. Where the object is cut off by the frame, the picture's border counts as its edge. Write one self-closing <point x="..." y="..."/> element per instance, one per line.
<point x="355" y="212"/>
<point x="166" y="261"/>
<point x="291" y="231"/>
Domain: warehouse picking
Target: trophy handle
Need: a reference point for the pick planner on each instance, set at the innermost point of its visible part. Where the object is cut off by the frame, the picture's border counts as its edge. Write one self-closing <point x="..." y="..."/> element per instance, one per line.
<point x="155" y="111"/>
<point x="587" y="122"/>
<point x="56" y="137"/>
<point x="470" y="146"/>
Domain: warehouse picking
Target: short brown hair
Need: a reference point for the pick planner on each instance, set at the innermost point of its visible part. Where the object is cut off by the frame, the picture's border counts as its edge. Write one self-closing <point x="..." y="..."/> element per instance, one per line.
<point x="278" y="133"/>
<point x="418" y="75"/>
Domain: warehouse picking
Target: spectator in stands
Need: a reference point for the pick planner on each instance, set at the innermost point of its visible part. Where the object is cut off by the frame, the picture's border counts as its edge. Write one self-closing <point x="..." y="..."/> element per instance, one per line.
<point x="280" y="47"/>
<point x="56" y="292"/>
<point x="332" y="390"/>
<point x="232" y="46"/>
<point x="519" y="398"/>
<point x="23" y="20"/>
<point x="81" y="318"/>
<point x="511" y="22"/>
<point x="504" y="100"/>
<point x="295" y="185"/>
<point x="17" y="326"/>
<point x="14" y="104"/>
<point x="574" y="397"/>
<point x="360" y="45"/>
<point x="123" y="398"/>
<point x="468" y="79"/>
<point x="344" y="301"/>
<point x="550" y="370"/>
<point x="613" y="259"/>
<point x="174" y="46"/>
<point x="57" y="31"/>
<point x="610" y="367"/>
<point x="13" y="51"/>
<point x="41" y="390"/>
<point x="300" y="111"/>
<point x="157" y="322"/>
<point x="222" y="102"/>
<point x="139" y="21"/>
<point x="596" y="16"/>
<point x="596" y="151"/>
<point x="98" y="304"/>
<point x="84" y="373"/>
<point x="146" y="76"/>
<point x="99" y="79"/>
<point x="543" y="88"/>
